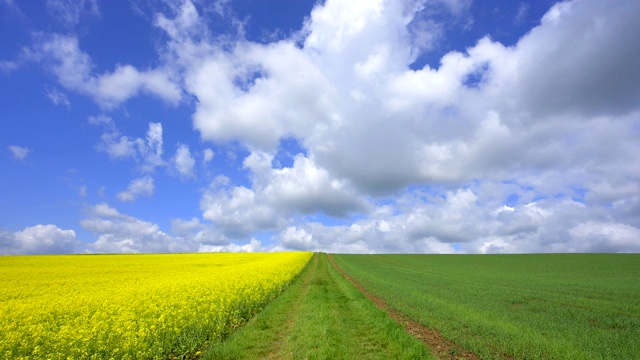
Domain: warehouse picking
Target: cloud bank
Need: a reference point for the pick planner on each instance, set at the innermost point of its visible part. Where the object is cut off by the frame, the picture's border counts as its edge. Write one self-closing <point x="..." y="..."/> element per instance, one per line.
<point x="499" y="149"/>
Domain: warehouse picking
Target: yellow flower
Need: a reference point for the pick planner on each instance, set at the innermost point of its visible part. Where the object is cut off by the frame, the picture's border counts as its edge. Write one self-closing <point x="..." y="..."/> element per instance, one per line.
<point x="132" y="306"/>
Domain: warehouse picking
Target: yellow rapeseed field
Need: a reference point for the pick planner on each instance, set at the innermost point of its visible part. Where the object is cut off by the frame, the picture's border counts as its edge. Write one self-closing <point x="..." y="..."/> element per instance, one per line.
<point x="132" y="306"/>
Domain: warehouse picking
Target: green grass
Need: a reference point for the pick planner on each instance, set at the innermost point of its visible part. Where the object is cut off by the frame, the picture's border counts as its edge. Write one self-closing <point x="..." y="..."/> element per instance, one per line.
<point x="320" y="316"/>
<point x="560" y="306"/>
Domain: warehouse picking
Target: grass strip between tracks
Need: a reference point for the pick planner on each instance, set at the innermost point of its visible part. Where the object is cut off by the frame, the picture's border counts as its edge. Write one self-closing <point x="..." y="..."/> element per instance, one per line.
<point x="321" y="315"/>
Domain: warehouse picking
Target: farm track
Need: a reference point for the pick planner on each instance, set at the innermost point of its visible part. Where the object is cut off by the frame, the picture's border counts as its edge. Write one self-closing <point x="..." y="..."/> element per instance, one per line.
<point x="276" y="353"/>
<point x="320" y="316"/>
<point x="439" y="346"/>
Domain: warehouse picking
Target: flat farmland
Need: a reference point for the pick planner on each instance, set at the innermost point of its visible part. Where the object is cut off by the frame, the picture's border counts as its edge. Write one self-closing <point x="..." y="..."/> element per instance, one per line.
<point x="558" y="306"/>
<point x="299" y="306"/>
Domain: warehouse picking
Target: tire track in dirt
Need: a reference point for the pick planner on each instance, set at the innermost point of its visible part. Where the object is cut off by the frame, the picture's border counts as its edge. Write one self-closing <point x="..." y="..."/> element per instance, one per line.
<point x="439" y="346"/>
<point x="308" y="276"/>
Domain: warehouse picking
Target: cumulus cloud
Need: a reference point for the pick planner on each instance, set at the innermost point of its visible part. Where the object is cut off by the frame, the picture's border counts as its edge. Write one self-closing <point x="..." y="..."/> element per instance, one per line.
<point x="605" y="236"/>
<point x="557" y="111"/>
<point x="184" y="163"/>
<point x="148" y="151"/>
<point x="441" y="128"/>
<point x="18" y="152"/>
<point x="123" y="233"/>
<point x="112" y="141"/>
<point x="590" y="77"/>
<point x="303" y="187"/>
<point x="151" y="148"/>
<point x="236" y="210"/>
<point x="143" y="186"/>
<point x="207" y="155"/>
<point x="185" y="227"/>
<point x="39" y="239"/>
<point x="208" y="238"/>
<point x="277" y="194"/>
<point x="74" y="70"/>
<point x="253" y="246"/>
<point x="529" y="147"/>
<point x="460" y="222"/>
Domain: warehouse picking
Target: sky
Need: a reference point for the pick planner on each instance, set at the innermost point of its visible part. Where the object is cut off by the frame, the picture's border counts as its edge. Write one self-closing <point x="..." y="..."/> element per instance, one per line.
<point x="360" y="126"/>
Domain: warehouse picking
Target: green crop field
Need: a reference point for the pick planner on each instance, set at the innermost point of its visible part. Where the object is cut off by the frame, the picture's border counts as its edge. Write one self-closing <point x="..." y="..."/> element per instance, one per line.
<point x="560" y="306"/>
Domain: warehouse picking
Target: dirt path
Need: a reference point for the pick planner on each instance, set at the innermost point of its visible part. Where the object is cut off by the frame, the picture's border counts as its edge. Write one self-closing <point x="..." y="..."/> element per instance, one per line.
<point x="439" y="346"/>
<point x="295" y="309"/>
<point x="320" y="316"/>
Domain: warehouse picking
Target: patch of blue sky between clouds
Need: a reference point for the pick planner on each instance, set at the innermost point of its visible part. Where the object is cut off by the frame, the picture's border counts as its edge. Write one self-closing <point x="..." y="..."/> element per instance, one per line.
<point x="288" y="149"/>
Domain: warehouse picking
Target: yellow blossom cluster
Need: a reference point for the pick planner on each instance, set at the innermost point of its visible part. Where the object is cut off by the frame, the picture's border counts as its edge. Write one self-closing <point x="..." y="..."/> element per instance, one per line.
<point x="132" y="306"/>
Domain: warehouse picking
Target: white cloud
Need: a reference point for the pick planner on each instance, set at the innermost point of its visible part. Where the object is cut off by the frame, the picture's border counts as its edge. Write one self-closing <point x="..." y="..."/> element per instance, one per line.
<point x="186" y="19"/>
<point x="185" y="227"/>
<point x="69" y="12"/>
<point x="294" y="238"/>
<point x="348" y="94"/>
<point x="103" y="218"/>
<point x="126" y="81"/>
<point x="123" y="233"/>
<point x="151" y="148"/>
<point x="253" y="246"/>
<point x="116" y="145"/>
<point x="236" y="211"/>
<point x="579" y="60"/>
<point x="19" y="153"/>
<point x="558" y="110"/>
<point x="523" y="148"/>
<point x="304" y="188"/>
<point x="148" y="151"/>
<point x="58" y="98"/>
<point x="226" y="112"/>
<point x="277" y="194"/>
<point x="207" y="155"/>
<point x="143" y="186"/>
<point x="74" y="69"/>
<point x="605" y="236"/>
<point x="9" y="66"/>
<point x="39" y="239"/>
<point x="184" y="163"/>
<point x="459" y="222"/>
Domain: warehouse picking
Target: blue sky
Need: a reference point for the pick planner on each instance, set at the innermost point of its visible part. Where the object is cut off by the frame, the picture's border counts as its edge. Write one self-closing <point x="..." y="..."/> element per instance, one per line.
<point x="427" y="126"/>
